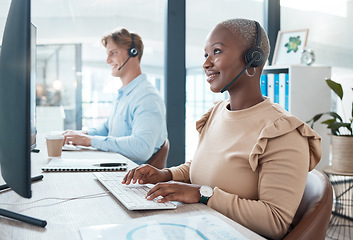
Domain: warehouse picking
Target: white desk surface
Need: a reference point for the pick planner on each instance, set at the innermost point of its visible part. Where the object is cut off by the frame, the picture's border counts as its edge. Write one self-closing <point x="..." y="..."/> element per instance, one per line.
<point x="65" y="217"/>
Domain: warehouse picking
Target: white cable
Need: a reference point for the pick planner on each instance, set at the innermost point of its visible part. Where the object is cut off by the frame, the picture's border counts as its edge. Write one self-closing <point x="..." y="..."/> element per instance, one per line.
<point x="61" y="200"/>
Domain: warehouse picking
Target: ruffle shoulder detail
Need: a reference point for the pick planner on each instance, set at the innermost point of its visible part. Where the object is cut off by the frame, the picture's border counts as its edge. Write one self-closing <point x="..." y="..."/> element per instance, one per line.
<point x="281" y="126"/>
<point x="202" y="121"/>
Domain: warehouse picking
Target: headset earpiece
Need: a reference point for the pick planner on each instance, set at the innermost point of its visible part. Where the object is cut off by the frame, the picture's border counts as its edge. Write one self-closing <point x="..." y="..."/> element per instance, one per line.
<point x="133" y="51"/>
<point x="257" y="54"/>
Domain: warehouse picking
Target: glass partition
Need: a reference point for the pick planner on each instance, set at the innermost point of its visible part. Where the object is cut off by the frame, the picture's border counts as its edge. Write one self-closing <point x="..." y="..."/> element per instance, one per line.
<point x="56" y="87"/>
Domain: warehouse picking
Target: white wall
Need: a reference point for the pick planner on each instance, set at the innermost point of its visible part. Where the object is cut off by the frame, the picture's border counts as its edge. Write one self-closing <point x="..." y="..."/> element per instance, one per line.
<point x="330" y="34"/>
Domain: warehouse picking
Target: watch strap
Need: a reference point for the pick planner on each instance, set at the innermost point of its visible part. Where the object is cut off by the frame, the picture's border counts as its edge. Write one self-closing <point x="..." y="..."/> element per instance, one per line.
<point x="204" y="199"/>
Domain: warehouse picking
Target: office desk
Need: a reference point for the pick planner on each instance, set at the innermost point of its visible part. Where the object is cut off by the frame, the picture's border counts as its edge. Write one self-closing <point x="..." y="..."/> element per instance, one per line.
<point x="71" y="200"/>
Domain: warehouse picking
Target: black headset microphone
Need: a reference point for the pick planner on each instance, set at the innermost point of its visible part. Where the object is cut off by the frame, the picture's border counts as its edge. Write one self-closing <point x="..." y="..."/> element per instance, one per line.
<point x="254" y="57"/>
<point x="242" y="71"/>
<point x="124" y="63"/>
<point x="132" y="51"/>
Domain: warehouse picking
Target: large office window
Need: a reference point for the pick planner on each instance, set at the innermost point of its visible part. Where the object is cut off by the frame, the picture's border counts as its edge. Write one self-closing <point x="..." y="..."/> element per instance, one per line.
<point x="99" y="89"/>
<point x="72" y="59"/>
<point x="199" y="99"/>
<point x="82" y="23"/>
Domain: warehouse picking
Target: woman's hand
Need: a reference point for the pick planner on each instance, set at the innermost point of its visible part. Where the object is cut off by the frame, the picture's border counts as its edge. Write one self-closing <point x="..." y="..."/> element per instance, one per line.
<point x="146" y="174"/>
<point x="175" y="191"/>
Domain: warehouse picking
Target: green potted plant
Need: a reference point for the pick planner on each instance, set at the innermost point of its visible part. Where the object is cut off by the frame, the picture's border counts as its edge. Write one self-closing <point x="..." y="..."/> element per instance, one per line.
<point x="341" y="133"/>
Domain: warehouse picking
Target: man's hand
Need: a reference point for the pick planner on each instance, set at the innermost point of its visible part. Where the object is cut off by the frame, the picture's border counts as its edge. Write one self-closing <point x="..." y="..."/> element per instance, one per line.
<point x="77" y="138"/>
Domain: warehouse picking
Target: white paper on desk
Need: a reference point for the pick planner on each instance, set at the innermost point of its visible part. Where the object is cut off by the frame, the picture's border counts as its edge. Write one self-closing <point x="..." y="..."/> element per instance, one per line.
<point x="81" y="164"/>
<point x="77" y="148"/>
<point x="202" y="227"/>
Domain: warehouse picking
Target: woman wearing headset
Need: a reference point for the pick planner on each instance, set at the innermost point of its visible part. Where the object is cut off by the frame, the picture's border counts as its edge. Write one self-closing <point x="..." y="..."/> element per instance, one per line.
<point x="136" y="127"/>
<point x="253" y="157"/>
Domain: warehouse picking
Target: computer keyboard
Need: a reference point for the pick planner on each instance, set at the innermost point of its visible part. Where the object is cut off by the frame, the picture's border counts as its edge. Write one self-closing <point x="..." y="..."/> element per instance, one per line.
<point x="131" y="196"/>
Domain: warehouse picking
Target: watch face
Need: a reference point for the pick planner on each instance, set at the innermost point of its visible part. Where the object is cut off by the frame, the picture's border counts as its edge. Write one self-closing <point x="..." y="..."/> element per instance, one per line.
<point x="206" y="191"/>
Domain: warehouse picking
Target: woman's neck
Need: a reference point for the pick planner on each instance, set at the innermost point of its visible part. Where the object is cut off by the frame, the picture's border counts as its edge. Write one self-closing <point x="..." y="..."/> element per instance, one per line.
<point x="245" y="96"/>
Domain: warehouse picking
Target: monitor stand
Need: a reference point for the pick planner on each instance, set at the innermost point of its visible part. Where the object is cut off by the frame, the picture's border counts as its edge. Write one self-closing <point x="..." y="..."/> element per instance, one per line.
<point x="35" y="150"/>
<point x="21" y="217"/>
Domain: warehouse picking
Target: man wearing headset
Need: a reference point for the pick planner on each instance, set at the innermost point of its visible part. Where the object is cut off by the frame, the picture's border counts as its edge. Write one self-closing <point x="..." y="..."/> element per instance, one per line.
<point x="136" y="127"/>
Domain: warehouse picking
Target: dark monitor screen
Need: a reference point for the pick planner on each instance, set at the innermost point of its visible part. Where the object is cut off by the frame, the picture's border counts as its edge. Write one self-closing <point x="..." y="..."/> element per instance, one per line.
<point x="16" y="98"/>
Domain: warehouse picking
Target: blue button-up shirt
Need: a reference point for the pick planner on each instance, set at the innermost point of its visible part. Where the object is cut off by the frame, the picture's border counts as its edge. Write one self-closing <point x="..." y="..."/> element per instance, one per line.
<point x="136" y="127"/>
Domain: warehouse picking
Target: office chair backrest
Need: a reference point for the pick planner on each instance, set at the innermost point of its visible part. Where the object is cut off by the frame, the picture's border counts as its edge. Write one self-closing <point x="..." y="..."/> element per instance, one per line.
<point x="313" y="215"/>
<point x="159" y="159"/>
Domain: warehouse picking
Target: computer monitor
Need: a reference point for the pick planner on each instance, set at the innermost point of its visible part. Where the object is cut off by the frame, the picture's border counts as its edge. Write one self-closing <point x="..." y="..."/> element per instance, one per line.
<point x="17" y="103"/>
<point x="33" y="82"/>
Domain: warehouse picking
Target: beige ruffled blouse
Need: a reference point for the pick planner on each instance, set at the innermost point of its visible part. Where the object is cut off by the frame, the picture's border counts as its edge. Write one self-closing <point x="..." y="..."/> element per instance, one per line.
<point x="257" y="160"/>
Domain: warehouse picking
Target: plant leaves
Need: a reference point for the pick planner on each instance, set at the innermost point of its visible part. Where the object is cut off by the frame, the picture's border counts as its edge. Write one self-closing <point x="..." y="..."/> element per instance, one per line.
<point x="317" y="117"/>
<point x="336" y="125"/>
<point x="336" y="87"/>
<point x="335" y="115"/>
<point x="332" y="114"/>
<point x="329" y="121"/>
<point x="336" y="122"/>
